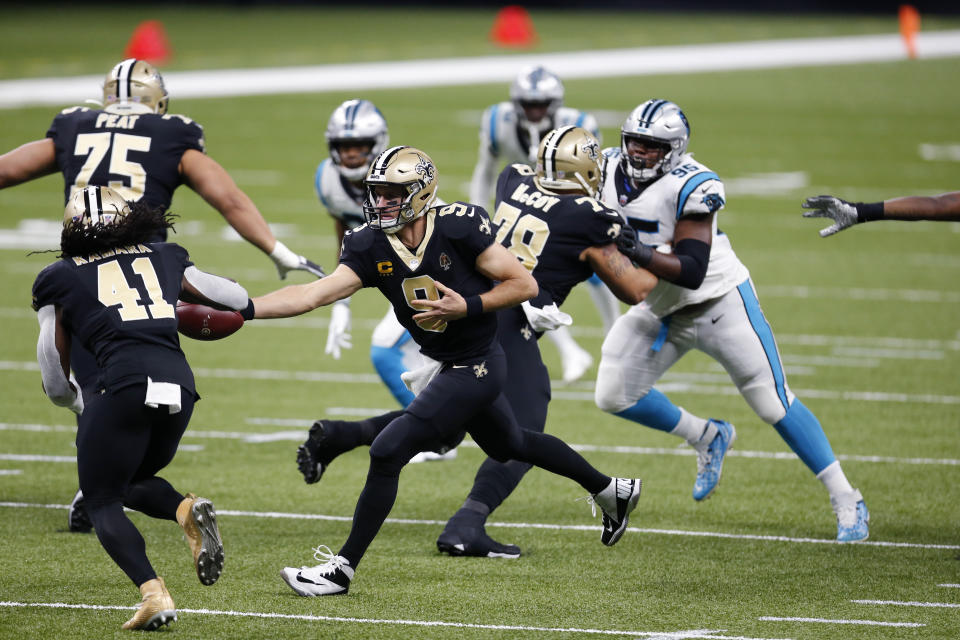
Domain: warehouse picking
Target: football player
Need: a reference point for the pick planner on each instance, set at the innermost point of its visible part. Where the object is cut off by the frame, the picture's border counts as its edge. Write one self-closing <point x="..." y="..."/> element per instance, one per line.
<point x="109" y="265"/>
<point x="409" y="249"/>
<point x="845" y="214"/>
<point x="704" y="300"/>
<point x="510" y="132"/>
<point x="134" y="146"/>
<point x="548" y="218"/>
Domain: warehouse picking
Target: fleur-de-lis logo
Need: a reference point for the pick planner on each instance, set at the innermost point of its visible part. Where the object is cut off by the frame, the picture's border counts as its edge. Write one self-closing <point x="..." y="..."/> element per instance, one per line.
<point x="425" y="168"/>
<point x="480" y="370"/>
<point x="592" y="149"/>
<point x="485" y="226"/>
<point x="526" y="333"/>
<point x="614" y="230"/>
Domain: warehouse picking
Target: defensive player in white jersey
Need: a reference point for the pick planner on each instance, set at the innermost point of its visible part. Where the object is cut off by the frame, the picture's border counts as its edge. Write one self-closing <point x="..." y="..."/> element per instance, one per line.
<point x="704" y="300"/>
<point x="356" y="133"/>
<point x="510" y="132"/>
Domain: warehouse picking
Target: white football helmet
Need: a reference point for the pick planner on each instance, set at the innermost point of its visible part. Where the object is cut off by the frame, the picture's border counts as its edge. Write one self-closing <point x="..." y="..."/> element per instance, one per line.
<point x="93" y="206"/>
<point x="659" y="121"/>
<point x="568" y="160"/>
<point x="405" y="167"/>
<point x="137" y="86"/>
<point x="537" y="85"/>
<point x="356" y="121"/>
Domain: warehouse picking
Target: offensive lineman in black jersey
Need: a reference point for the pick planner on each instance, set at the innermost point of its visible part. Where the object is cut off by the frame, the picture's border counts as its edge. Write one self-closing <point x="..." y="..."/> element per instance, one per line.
<point x="437" y="266"/>
<point x="135" y="147"/>
<point x="551" y="222"/>
<point x="115" y="291"/>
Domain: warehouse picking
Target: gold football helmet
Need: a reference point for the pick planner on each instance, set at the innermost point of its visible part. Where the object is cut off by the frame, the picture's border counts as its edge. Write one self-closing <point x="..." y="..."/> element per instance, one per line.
<point x="93" y="206"/>
<point x="568" y="160"/>
<point x="135" y="82"/>
<point x="405" y="167"/>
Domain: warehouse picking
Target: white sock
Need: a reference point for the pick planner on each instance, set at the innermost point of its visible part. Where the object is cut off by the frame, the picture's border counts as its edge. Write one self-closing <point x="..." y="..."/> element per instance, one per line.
<point x="698" y="432"/>
<point x="834" y="480"/>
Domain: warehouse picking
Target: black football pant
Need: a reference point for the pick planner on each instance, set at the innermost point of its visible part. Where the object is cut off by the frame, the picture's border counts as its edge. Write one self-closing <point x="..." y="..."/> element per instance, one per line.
<point x="121" y="446"/>
<point x="464" y="396"/>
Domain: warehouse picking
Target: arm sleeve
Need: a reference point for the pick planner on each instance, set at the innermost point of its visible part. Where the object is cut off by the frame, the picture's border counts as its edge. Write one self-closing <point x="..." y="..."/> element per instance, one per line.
<point x="55" y="383"/>
<point x="216" y="288"/>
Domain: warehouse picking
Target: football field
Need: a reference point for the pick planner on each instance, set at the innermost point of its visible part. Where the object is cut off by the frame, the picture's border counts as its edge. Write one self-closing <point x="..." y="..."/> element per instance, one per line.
<point x="866" y="323"/>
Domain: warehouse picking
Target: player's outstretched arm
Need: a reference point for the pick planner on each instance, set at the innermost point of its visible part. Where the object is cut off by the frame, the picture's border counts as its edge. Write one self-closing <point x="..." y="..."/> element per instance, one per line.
<point x="628" y="283"/>
<point x="212" y="182"/>
<point x="28" y="161"/>
<point x="215" y="291"/>
<point x="301" y="298"/>
<point x="845" y="214"/>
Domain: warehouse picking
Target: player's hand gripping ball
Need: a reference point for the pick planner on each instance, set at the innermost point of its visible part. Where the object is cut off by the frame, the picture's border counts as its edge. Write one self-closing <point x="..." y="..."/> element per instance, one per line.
<point x="201" y="322"/>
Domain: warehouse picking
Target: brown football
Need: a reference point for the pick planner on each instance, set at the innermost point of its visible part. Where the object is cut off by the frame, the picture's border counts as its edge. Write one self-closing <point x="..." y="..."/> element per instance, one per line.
<point x="200" y="322"/>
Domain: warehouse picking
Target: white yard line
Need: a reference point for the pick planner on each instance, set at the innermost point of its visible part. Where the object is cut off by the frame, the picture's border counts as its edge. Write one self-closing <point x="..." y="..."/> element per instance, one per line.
<point x="876" y="623"/>
<point x="899" y="603"/>
<point x="591" y="528"/>
<point x="704" y="633"/>
<point x="950" y="586"/>
<point x="298" y="435"/>
<point x="407" y="74"/>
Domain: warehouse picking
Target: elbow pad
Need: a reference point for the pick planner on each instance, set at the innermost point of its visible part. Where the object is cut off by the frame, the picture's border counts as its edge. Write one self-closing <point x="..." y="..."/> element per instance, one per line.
<point x="220" y="290"/>
<point x="694" y="256"/>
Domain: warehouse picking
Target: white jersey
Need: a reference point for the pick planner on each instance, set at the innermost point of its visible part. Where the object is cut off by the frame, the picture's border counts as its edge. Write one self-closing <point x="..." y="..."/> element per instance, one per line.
<point x="691" y="188"/>
<point x="342" y="200"/>
<point x="502" y="141"/>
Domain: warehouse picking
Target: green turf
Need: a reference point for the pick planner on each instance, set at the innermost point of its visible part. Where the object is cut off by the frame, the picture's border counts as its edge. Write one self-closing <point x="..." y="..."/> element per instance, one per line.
<point x="878" y="314"/>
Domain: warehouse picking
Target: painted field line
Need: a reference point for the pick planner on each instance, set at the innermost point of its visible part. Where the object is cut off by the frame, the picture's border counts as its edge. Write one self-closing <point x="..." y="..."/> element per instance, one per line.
<point x="951" y="586"/>
<point x="297" y="436"/>
<point x="19" y="457"/>
<point x="591" y="528"/>
<point x="704" y="633"/>
<point x="900" y="603"/>
<point x="558" y="393"/>
<point x="10" y="472"/>
<point x="876" y="623"/>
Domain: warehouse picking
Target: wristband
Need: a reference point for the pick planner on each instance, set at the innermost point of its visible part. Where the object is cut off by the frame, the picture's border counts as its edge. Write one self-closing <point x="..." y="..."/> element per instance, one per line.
<point x="474" y="305"/>
<point x="248" y="312"/>
<point x="869" y="211"/>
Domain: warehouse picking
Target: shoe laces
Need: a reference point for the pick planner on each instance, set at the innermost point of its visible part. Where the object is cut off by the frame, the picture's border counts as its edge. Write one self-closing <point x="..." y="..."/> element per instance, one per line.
<point x="590" y="500"/>
<point x="329" y="561"/>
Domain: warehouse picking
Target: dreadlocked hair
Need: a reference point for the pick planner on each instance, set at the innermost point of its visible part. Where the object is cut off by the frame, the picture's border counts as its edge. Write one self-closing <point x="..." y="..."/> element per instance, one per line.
<point x="143" y="224"/>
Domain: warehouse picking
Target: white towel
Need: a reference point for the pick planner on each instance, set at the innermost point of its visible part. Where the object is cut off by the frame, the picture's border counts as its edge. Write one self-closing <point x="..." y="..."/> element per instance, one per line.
<point x="166" y="393"/>
<point x="418" y="379"/>
<point x="547" y="318"/>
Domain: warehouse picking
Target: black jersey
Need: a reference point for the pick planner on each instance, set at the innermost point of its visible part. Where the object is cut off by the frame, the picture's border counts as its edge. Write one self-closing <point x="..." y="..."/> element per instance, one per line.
<point x="548" y="232"/>
<point x="136" y="154"/>
<point x="456" y="234"/>
<point x="121" y="305"/>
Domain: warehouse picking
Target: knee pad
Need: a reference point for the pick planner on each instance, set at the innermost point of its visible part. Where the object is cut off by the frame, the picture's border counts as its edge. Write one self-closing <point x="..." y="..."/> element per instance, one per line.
<point x="609" y="394"/>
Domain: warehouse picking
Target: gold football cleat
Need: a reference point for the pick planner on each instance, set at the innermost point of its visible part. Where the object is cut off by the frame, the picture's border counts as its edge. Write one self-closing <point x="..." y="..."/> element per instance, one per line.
<point x="199" y="522"/>
<point x="155" y="610"/>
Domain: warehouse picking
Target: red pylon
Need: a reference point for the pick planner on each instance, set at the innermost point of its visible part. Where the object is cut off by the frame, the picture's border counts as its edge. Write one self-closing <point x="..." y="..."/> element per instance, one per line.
<point x="149" y="42"/>
<point x="909" y="27"/>
<point x="513" y="28"/>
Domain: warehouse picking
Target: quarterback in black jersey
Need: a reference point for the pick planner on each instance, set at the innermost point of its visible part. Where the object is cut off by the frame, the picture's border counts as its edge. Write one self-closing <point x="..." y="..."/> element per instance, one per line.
<point x="135" y="147"/>
<point x="444" y="274"/>
<point x="550" y="221"/>
<point x="115" y="291"/>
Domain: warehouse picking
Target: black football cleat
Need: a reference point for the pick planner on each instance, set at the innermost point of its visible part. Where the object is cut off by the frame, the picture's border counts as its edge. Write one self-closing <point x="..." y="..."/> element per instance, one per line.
<point x="77" y="519"/>
<point x="312" y="456"/>
<point x="459" y="539"/>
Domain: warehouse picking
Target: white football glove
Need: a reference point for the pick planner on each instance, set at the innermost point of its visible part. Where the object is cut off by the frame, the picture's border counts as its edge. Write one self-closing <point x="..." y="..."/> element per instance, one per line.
<point x="338" y="336"/>
<point x="843" y="213"/>
<point x="286" y="260"/>
<point x="546" y="318"/>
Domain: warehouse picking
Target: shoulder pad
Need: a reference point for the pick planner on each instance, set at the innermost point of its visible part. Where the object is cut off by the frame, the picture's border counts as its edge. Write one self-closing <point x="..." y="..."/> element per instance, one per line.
<point x="459" y="219"/>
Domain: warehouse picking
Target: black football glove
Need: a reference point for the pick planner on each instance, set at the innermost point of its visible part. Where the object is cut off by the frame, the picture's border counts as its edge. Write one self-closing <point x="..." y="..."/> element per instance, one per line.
<point x="629" y="245"/>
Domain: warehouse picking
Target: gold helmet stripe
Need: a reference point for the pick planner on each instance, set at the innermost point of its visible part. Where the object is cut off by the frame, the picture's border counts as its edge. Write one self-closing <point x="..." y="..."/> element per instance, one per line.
<point x="550" y="148"/>
<point x="92" y="204"/>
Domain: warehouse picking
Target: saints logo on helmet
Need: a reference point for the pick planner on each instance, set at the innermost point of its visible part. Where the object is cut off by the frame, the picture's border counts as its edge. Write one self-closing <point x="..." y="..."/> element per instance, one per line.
<point x="660" y="123"/>
<point x="93" y="206"/>
<point x="536" y="91"/>
<point x="134" y="85"/>
<point x="415" y="176"/>
<point x="568" y="160"/>
<point x="357" y="123"/>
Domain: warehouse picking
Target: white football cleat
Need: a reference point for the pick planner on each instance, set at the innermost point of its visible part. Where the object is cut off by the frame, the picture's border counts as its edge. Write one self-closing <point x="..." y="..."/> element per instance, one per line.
<point x="332" y="578"/>
<point x="433" y="456"/>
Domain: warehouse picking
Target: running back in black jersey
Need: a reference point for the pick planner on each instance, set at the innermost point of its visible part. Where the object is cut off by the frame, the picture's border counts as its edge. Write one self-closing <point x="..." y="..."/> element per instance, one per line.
<point x="121" y="305"/>
<point x="548" y="232"/>
<point x="138" y="155"/>
<point x="455" y="235"/>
